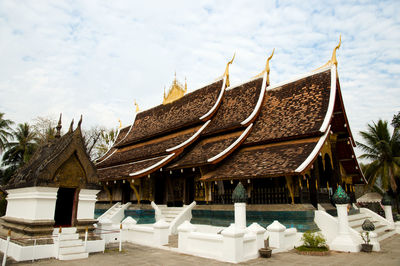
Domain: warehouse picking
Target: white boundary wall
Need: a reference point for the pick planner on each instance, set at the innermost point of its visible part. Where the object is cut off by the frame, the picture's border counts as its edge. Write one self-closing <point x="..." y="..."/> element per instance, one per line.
<point x="24" y="253"/>
<point x="234" y="244"/>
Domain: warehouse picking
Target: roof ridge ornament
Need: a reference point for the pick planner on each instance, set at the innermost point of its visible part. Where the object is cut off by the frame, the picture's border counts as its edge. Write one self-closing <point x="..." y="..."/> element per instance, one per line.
<point x="226" y="73"/>
<point x="333" y="60"/>
<point x="80" y="122"/>
<point x="175" y="91"/>
<point x="120" y="123"/>
<point x="58" y="127"/>
<point x="71" y="126"/>
<point x="267" y="68"/>
<point x="137" y="106"/>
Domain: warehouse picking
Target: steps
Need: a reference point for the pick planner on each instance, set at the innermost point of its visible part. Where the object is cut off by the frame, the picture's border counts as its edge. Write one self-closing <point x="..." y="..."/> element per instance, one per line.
<point x="70" y="247"/>
<point x="356" y="221"/>
<point x="170" y="213"/>
<point x="115" y="214"/>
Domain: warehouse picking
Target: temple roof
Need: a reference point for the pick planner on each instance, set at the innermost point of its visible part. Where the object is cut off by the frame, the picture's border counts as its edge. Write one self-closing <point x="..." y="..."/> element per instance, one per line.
<point x="50" y="159"/>
<point x="251" y="130"/>
<point x="179" y="114"/>
<point x="268" y="160"/>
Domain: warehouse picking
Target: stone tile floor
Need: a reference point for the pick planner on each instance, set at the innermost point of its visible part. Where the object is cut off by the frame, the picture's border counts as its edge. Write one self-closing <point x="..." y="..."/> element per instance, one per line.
<point x="140" y="255"/>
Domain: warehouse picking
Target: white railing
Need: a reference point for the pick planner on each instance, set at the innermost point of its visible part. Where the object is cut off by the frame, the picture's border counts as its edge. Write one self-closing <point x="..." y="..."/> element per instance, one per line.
<point x="108" y="211"/>
<point x="157" y="211"/>
<point x="185" y="215"/>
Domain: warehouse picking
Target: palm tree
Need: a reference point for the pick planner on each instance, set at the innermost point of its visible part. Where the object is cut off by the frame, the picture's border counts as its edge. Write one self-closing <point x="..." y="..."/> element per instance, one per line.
<point x="383" y="150"/>
<point x="4" y="131"/>
<point x="20" y="151"/>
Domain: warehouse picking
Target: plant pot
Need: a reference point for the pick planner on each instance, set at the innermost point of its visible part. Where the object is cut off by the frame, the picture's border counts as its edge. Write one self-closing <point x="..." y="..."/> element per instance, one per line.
<point x="366" y="247"/>
<point x="265" y="252"/>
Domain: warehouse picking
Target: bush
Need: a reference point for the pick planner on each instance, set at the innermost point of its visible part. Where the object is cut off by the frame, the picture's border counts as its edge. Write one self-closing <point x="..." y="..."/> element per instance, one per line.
<point x="313" y="240"/>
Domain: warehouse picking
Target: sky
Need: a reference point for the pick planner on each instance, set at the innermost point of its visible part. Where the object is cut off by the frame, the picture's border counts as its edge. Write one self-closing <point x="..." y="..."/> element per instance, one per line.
<point x="96" y="57"/>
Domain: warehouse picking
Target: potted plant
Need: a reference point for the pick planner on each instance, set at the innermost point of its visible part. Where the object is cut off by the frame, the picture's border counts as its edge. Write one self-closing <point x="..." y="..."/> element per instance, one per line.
<point x="367" y="226"/>
<point x="314" y="243"/>
<point x="266" y="251"/>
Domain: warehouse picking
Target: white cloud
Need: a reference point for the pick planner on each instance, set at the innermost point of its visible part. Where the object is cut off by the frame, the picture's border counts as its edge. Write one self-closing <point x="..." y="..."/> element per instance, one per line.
<point x="95" y="58"/>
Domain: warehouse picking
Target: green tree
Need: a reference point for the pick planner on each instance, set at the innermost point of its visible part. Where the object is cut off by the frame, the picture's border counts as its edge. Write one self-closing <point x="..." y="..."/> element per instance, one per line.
<point x="5" y="132"/>
<point x="396" y="121"/>
<point x="107" y="139"/>
<point x="383" y="151"/>
<point x="20" y="151"/>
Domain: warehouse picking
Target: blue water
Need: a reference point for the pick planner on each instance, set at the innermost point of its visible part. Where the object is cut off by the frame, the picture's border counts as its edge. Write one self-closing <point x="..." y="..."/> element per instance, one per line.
<point x="302" y="220"/>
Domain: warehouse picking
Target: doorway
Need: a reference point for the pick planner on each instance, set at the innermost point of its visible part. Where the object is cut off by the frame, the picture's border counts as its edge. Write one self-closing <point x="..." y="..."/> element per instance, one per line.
<point x="64" y="212"/>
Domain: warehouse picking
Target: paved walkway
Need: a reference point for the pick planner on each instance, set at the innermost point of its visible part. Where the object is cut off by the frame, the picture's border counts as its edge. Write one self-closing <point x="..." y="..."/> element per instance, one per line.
<point x="140" y="255"/>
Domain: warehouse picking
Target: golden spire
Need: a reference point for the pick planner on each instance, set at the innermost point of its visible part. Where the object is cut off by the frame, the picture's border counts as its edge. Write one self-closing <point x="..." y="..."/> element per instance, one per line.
<point x="267" y="68"/>
<point x="185" y="85"/>
<point x="333" y="60"/>
<point x="137" y="107"/>
<point x="226" y="73"/>
<point x="175" y="92"/>
<point x="120" y="123"/>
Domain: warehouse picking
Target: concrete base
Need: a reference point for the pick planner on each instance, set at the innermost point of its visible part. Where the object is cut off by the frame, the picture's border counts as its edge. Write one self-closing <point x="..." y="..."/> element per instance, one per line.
<point x="344" y="243"/>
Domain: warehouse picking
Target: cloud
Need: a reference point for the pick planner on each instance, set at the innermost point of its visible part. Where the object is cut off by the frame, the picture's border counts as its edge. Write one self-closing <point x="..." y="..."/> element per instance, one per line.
<point x="95" y="58"/>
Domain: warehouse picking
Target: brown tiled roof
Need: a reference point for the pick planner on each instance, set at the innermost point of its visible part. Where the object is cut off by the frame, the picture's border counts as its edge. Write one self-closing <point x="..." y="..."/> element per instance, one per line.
<point x="147" y="149"/>
<point x="292" y="110"/>
<point x="183" y="112"/>
<point x="204" y="150"/>
<point x="268" y="160"/>
<point x="237" y="104"/>
<point x="49" y="157"/>
<point x="123" y="170"/>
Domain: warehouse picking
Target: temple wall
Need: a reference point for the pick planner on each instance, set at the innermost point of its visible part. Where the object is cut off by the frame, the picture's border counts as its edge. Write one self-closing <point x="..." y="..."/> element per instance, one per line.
<point x="32" y="203"/>
<point x="86" y="203"/>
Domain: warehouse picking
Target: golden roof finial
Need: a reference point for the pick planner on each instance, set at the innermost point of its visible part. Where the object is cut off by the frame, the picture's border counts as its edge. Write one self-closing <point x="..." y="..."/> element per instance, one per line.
<point x="226" y="73"/>
<point x="185" y="85"/>
<point x="137" y="107"/>
<point x="120" y="123"/>
<point x="333" y="60"/>
<point x="267" y="68"/>
<point x="175" y="91"/>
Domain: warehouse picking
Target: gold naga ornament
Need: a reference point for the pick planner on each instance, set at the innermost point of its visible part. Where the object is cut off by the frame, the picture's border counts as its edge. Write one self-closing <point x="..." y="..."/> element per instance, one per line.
<point x="267" y="68"/>
<point x="333" y="60"/>
<point x="175" y="92"/>
<point x="137" y="107"/>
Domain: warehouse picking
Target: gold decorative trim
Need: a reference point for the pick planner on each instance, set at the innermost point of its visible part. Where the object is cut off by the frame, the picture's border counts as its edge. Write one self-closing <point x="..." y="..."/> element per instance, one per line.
<point x="175" y="92"/>
<point x="267" y="68"/>
<point x="333" y="60"/>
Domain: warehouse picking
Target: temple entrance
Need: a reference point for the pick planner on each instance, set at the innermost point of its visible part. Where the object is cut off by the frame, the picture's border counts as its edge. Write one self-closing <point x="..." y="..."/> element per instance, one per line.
<point x="175" y="194"/>
<point x="159" y="190"/>
<point x="189" y="190"/>
<point x="126" y="193"/>
<point x="65" y="212"/>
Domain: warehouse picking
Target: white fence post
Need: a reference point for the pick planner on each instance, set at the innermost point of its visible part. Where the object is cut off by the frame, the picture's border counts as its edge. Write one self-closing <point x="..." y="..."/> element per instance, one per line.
<point x="6" y="250"/>
<point x="120" y="237"/>
<point x="33" y="250"/>
<point x="86" y="236"/>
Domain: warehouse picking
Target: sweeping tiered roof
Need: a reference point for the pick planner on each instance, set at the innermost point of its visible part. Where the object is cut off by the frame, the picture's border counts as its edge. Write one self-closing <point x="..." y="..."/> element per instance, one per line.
<point x="251" y="131"/>
<point x="55" y="161"/>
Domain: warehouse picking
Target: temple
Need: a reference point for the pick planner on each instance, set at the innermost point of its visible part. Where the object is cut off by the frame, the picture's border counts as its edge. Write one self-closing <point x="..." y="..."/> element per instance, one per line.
<point x="287" y="143"/>
<point x="57" y="187"/>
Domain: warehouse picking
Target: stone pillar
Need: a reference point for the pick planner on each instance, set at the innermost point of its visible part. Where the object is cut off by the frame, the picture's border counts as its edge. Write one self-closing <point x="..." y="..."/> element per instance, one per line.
<point x="184" y="231"/>
<point x="240" y="215"/>
<point x="233" y="244"/>
<point x="259" y="231"/>
<point x="239" y="197"/>
<point x="343" y="241"/>
<point x="276" y="232"/>
<point x="161" y="232"/>
<point x="387" y="206"/>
